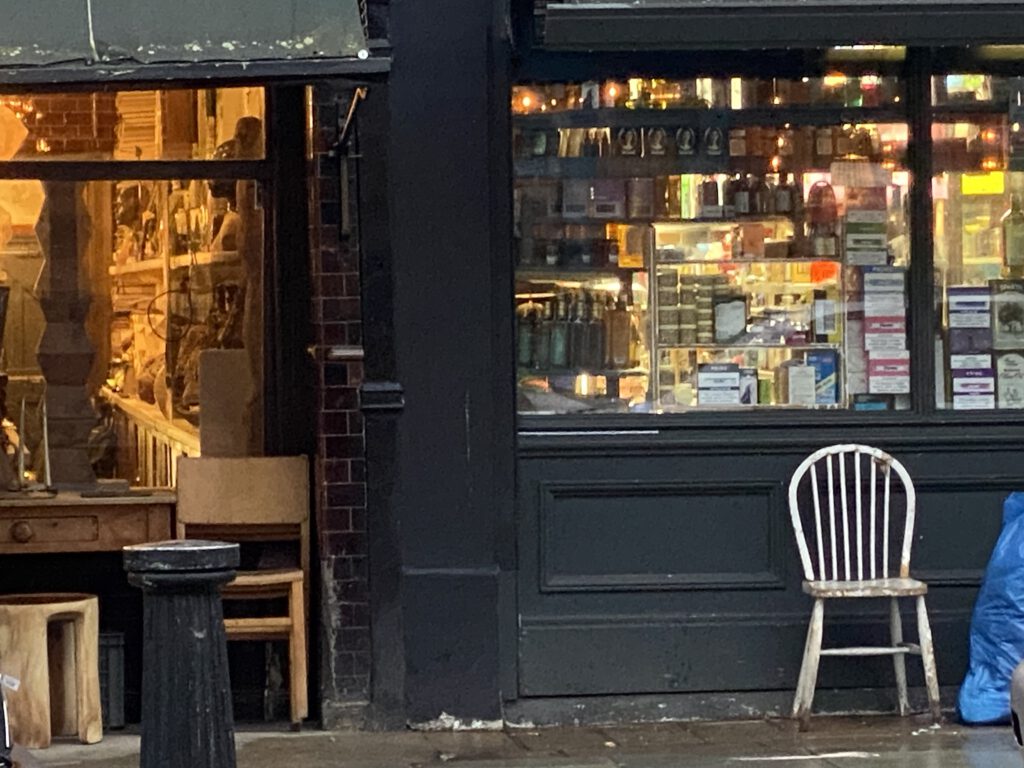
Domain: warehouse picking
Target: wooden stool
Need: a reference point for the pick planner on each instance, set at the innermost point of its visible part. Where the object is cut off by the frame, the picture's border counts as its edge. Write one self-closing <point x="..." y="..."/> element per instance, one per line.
<point x="50" y="643"/>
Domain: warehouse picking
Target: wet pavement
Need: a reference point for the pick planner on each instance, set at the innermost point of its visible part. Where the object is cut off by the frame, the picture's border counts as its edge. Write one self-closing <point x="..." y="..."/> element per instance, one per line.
<point x="833" y="742"/>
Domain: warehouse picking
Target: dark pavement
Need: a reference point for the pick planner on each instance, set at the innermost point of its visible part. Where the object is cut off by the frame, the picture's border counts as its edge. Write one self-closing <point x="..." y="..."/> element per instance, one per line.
<point x="846" y="742"/>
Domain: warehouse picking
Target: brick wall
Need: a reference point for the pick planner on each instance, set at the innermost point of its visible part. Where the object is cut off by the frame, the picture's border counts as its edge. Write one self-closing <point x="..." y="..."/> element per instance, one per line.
<point x="77" y="124"/>
<point x="341" y="496"/>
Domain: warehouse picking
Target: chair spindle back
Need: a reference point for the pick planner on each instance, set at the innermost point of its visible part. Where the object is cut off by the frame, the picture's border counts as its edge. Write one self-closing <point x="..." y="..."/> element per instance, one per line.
<point x="857" y="549"/>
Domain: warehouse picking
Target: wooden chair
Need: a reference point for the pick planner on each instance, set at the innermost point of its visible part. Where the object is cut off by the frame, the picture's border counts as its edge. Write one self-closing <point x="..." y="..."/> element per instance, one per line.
<point x="850" y="557"/>
<point x="256" y="499"/>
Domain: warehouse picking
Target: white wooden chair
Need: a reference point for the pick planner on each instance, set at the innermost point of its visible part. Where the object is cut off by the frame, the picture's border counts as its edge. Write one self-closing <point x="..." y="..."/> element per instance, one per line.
<point x="849" y="557"/>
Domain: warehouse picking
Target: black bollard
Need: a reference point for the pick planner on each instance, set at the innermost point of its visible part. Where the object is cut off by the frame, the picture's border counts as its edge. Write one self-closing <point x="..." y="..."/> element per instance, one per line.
<point x="187" y="720"/>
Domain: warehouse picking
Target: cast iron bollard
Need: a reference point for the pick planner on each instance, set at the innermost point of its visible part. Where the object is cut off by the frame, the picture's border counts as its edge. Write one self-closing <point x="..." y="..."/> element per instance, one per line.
<point x="187" y="720"/>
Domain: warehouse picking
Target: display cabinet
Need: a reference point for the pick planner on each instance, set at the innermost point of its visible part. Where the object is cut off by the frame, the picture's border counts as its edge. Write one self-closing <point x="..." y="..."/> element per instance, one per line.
<point x="709" y="244"/>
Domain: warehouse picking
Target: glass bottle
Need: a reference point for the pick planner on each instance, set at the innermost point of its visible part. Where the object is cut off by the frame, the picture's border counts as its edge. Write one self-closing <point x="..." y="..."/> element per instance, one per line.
<point x="542" y="337"/>
<point x="620" y="328"/>
<point x="595" y="334"/>
<point x="578" y="328"/>
<point x="1013" y="238"/>
<point x="823" y="218"/>
<point x="784" y="194"/>
<point x="560" y="333"/>
<point x="741" y="195"/>
<point x="526" y="329"/>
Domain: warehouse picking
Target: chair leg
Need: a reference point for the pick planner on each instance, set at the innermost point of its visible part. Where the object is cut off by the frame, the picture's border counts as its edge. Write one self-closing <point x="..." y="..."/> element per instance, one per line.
<point x="931" y="678"/>
<point x="899" y="660"/>
<point x="809" y="668"/>
<point x="298" y="685"/>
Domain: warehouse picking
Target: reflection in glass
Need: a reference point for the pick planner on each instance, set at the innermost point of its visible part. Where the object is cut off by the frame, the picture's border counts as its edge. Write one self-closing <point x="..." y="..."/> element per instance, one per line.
<point x="126" y="125"/>
<point x="979" y="260"/>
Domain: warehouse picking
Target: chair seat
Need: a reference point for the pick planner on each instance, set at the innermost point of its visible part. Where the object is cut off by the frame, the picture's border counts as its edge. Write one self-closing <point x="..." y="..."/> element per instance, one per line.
<point x="267" y="577"/>
<point x="866" y="588"/>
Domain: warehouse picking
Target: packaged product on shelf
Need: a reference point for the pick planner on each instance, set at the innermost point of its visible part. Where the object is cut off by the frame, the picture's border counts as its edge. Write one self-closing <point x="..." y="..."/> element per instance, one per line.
<point x="889" y="372"/>
<point x="752" y="243"/>
<point x="656" y="142"/>
<point x="710" y="199"/>
<point x="627" y="142"/>
<point x="826" y="376"/>
<point x="970" y="319"/>
<point x="825" y="316"/>
<point x="686" y="141"/>
<point x="1007" y="314"/>
<point x="885" y="313"/>
<point x="575" y="198"/>
<point x="855" y="357"/>
<point x="748" y="386"/>
<point x="607" y="199"/>
<point x="718" y="384"/>
<point x="866" y="402"/>
<point x="796" y="382"/>
<point x="866" y="226"/>
<point x="640" y="198"/>
<point x="1010" y="380"/>
<point x="973" y="387"/>
<point x="730" y="316"/>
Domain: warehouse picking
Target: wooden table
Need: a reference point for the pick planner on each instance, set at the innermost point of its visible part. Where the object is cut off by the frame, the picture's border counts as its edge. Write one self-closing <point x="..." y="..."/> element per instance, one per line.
<point x="67" y="522"/>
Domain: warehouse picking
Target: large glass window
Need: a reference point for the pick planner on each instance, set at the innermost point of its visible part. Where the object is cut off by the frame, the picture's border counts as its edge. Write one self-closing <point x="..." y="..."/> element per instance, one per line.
<point x="978" y="193"/>
<point x="133" y="303"/>
<point x="711" y="244"/>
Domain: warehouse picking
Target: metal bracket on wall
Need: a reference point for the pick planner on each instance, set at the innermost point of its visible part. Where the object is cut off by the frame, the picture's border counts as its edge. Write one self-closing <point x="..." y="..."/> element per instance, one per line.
<point x="382" y="396"/>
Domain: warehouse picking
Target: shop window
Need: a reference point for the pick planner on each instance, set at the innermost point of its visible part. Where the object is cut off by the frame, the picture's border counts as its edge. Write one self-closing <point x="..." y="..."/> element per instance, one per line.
<point x="978" y="193"/>
<point x="181" y="124"/>
<point x="133" y="304"/>
<point x="712" y="244"/>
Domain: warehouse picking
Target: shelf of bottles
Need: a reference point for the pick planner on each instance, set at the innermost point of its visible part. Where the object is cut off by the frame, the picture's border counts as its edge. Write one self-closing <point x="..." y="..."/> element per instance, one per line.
<point x="674" y="255"/>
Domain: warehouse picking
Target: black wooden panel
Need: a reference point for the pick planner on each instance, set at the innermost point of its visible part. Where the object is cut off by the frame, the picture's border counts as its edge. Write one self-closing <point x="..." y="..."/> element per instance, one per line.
<point x="950" y="505"/>
<point x="682" y="535"/>
<point x="638" y="655"/>
<point x="653" y="564"/>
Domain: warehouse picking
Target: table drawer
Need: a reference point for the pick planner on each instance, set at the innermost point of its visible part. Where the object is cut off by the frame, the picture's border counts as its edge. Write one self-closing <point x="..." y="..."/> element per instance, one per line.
<point x="81" y="530"/>
<point x="49" y="530"/>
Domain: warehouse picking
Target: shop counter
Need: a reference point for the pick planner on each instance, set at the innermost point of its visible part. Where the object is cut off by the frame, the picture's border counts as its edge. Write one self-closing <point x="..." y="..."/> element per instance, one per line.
<point x="70" y="522"/>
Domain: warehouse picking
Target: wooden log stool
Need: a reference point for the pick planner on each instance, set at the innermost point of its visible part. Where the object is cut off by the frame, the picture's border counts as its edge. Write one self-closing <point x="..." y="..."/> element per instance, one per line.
<point x="50" y="643"/>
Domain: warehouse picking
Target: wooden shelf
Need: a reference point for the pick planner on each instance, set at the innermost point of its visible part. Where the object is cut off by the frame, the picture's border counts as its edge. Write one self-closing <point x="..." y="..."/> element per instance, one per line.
<point x="743" y="347"/>
<point x="150" y="416"/>
<point x="201" y="259"/>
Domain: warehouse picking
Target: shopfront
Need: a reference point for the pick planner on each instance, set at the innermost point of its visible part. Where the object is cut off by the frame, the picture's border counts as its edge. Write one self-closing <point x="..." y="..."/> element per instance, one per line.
<point x="703" y="240"/>
<point x="724" y="260"/>
<point x="162" y="173"/>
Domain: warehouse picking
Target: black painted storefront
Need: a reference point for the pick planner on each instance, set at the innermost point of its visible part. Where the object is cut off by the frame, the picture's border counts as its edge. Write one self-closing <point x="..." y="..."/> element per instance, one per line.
<point x="514" y="560"/>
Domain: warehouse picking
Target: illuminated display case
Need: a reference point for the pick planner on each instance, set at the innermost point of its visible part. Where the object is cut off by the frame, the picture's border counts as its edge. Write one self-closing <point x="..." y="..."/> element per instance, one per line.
<point x="710" y="244"/>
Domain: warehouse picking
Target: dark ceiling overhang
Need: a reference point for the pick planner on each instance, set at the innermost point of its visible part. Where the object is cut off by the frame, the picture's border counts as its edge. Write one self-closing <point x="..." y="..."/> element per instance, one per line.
<point x="704" y="24"/>
<point x="45" y="41"/>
